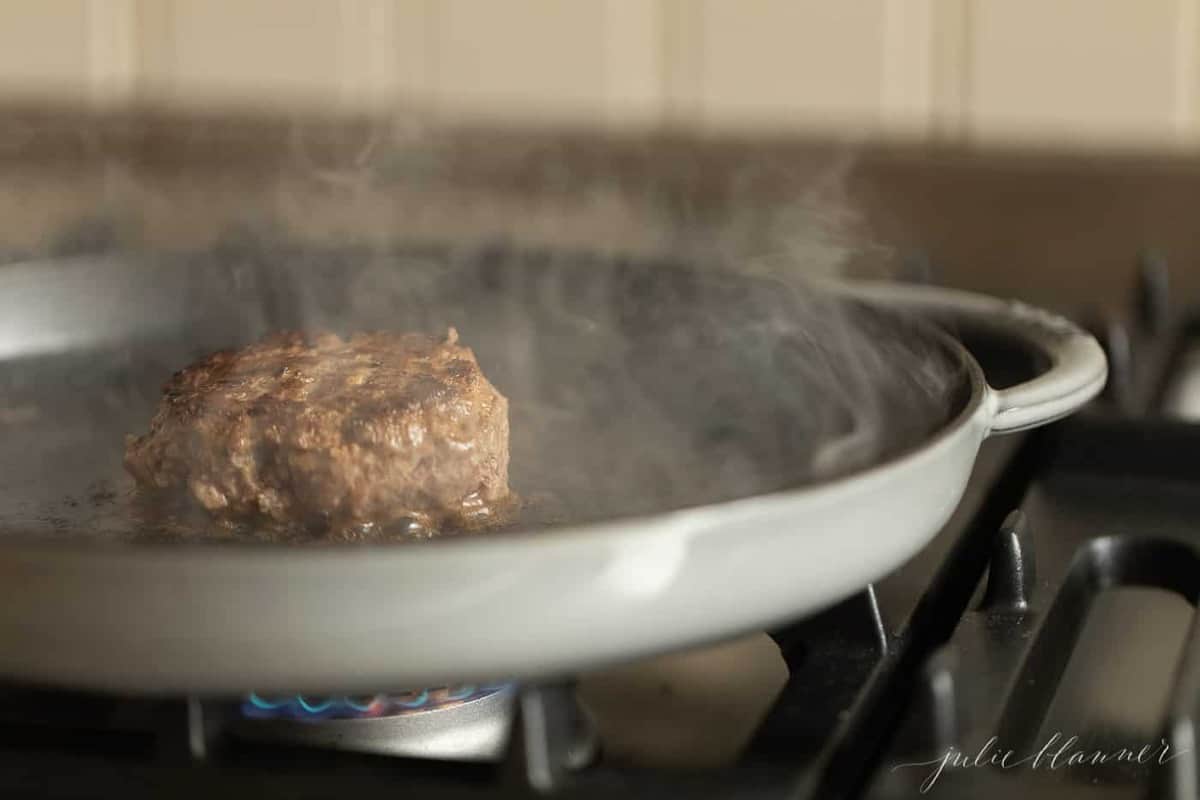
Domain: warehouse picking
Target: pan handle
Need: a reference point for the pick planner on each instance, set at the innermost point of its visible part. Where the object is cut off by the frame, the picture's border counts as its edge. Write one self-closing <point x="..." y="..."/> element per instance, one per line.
<point x="1077" y="371"/>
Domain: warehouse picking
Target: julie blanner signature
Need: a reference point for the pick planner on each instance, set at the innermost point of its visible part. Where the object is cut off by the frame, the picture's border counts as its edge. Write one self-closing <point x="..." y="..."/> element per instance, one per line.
<point x="1058" y="752"/>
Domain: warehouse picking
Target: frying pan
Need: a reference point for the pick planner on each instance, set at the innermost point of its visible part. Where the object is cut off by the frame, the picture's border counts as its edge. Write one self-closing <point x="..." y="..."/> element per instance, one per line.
<point x="646" y="540"/>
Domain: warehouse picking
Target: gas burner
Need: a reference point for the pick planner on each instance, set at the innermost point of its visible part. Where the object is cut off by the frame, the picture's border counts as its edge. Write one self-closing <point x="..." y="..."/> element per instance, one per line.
<point x="461" y="723"/>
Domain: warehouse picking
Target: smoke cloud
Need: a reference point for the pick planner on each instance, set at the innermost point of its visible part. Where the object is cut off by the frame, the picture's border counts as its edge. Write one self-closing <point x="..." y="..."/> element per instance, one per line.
<point x="647" y="306"/>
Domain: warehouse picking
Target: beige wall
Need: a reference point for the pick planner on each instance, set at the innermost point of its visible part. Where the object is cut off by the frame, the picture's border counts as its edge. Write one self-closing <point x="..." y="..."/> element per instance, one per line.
<point x="1099" y="72"/>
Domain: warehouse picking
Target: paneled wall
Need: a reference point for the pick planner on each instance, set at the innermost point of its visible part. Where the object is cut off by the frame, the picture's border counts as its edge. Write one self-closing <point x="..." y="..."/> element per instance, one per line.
<point x="1094" y="72"/>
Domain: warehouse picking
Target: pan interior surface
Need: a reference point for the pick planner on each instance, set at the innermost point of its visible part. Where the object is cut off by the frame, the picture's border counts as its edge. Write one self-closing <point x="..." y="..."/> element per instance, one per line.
<point x="634" y="388"/>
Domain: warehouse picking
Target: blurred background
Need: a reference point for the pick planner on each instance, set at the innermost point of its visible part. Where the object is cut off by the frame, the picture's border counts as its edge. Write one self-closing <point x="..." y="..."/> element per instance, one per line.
<point x="984" y="141"/>
<point x="1107" y="74"/>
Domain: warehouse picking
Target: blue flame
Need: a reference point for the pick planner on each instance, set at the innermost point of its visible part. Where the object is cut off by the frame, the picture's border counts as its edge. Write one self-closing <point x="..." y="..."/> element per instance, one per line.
<point x="301" y="707"/>
<point x="267" y="705"/>
<point x="371" y="703"/>
<point x="324" y="704"/>
<point x="416" y="702"/>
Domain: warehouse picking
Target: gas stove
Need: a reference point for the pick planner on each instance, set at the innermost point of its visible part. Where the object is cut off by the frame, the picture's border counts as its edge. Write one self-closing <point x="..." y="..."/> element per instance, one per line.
<point x="1042" y="644"/>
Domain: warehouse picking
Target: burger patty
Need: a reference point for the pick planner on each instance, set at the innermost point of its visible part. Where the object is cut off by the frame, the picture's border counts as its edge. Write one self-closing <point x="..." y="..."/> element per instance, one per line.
<point x="332" y="434"/>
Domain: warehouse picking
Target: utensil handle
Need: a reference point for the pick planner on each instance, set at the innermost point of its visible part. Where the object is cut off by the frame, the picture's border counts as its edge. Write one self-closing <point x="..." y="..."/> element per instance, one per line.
<point x="1077" y="371"/>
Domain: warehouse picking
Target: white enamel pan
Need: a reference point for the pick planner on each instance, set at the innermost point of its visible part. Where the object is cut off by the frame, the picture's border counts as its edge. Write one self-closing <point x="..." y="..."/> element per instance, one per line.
<point x="216" y="618"/>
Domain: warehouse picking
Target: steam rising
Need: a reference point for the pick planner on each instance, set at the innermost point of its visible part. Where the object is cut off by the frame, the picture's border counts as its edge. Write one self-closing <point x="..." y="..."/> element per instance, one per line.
<point x="650" y="315"/>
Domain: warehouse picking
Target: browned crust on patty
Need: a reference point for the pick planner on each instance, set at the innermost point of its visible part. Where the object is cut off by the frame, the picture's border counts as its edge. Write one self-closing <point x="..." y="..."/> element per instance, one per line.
<point x="332" y="434"/>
